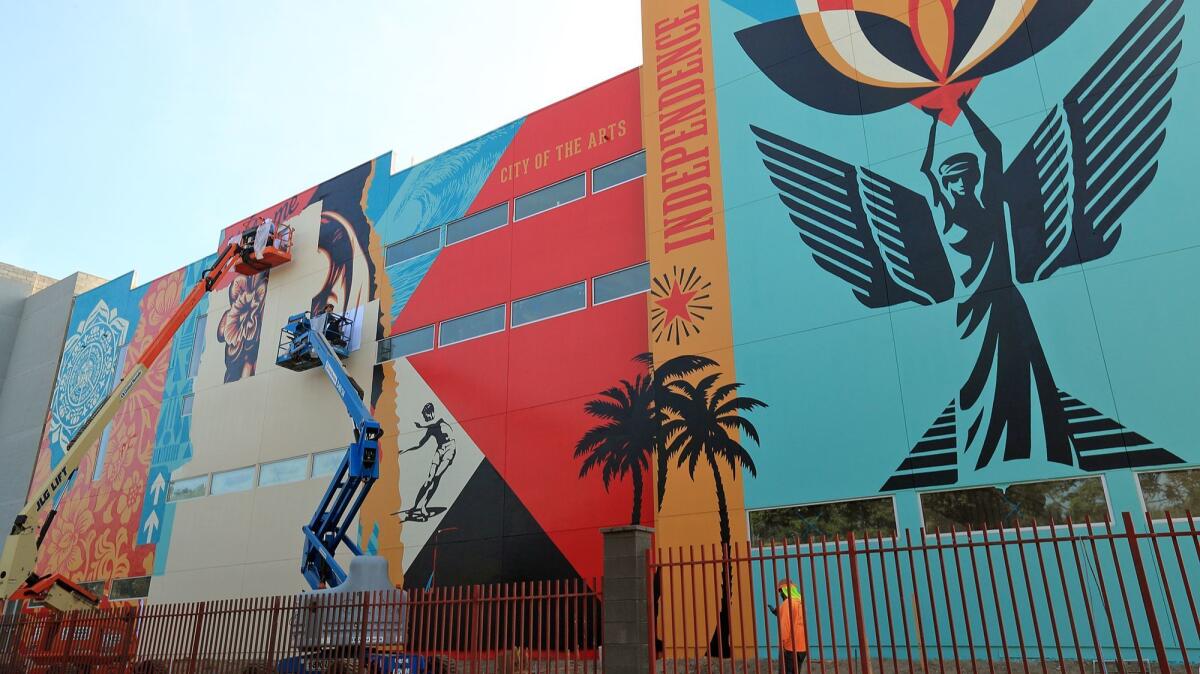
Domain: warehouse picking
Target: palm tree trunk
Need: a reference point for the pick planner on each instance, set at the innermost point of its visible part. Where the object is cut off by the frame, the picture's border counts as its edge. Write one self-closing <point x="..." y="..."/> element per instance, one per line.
<point x="636" y="517"/>
<point x="721" y="645"/>
<point x="662" y="457"/>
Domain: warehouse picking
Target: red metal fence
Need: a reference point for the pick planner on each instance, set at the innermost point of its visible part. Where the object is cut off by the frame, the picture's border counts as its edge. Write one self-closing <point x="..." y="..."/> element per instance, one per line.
<point x="551" y="626"/>
<point x="1037" y="598"/>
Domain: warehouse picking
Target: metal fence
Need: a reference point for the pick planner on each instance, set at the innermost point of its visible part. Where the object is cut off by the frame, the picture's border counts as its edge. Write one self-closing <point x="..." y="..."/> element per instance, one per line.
<point x="513" y="628"/>
<point x="1041" y="597"/>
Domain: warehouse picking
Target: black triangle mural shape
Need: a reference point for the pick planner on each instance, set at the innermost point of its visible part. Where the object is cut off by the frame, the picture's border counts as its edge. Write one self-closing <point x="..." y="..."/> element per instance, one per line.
<point x="487" y="536"/>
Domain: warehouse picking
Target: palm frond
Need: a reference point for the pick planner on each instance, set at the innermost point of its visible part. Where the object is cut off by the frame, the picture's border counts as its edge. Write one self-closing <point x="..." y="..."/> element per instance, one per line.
<point x="682" y="366"/>
<point x="734" y="422"/>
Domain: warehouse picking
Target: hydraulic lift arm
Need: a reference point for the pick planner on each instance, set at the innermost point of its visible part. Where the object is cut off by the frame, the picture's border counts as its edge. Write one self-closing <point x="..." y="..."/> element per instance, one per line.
<point x="17" y="577"/>
<point x="303" y="347"/>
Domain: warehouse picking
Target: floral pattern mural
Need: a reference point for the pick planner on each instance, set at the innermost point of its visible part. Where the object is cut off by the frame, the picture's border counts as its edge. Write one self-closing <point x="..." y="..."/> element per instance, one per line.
<point x="241" y="325"/>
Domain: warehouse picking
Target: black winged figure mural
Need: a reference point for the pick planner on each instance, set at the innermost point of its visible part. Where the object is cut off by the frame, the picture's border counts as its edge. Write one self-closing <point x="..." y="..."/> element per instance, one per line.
<point x="1059" y="202"/>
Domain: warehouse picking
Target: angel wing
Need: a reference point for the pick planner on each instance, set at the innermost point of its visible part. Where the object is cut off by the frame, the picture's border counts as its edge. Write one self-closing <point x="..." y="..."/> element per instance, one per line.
<point x="873" y="233"/>
<point x="1097" y="151"/>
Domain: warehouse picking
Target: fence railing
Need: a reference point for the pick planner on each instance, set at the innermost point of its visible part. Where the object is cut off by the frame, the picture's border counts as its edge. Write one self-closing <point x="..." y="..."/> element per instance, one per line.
<point x="1031" y="598"/>
<point x="513" y="628"/>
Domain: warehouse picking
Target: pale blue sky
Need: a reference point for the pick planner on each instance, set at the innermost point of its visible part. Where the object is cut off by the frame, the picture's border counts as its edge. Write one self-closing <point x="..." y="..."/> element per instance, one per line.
<point x="134" y="131"/>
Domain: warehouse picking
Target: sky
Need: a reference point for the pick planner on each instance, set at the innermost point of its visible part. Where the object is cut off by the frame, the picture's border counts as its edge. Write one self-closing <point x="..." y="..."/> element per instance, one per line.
<point x="133" y="131"/>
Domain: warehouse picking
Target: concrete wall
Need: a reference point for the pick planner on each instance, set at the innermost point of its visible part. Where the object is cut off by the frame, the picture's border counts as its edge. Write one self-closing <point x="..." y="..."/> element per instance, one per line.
<point x="33" y="320"/>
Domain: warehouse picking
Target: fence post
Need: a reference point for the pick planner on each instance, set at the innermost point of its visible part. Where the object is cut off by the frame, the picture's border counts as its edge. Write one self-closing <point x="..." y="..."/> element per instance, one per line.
<point x="864" y="649"/>
<point x="475" y="653"/>
<point x="1151" y="618"/>
<point x="362" y="629"/>
<point x="626" y="601"/>
<point x="271" y="632"/>
<point x="196" y="638"/>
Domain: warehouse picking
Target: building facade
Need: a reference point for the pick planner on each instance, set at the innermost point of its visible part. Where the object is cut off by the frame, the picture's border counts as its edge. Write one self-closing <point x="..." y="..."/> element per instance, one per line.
<point x="893" y="269"/>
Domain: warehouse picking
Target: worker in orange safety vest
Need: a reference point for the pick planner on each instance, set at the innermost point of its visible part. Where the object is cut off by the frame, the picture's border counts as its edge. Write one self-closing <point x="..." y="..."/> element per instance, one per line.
<point x="793" y="641"/>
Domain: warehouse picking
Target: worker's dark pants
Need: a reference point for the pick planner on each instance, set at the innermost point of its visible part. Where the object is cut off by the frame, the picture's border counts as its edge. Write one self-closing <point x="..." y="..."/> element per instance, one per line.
<point x="790" y="661"/>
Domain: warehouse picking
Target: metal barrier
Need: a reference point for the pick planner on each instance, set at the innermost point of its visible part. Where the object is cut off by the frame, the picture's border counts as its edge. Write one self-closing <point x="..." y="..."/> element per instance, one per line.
<point x="512" y="628"/>
<point x="1036" y="598"/>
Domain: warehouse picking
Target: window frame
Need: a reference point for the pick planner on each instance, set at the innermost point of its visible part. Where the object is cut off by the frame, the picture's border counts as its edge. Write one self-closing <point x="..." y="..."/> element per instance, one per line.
<point x="432" y="345"/>
<point x="805" y="545"/>
<point x="1040" y="527"/>
<point x="253" y="468"/>
<point x="312" y="464"/>
<point x="432" y="230"/>
<point x="508" y="206"/>
<point x="306" y="458"/>
<point x="205" y="479"/>
<point x="512" y="314"/>
<point x="645" y="264"/>
<point x="112" y="595"/>
<point x="592" y="177"/>
<point x="503" y="325"/>
<point x="1142" y="495"/>
<point x="187" y="404"/>
<point x="583" y="195"/>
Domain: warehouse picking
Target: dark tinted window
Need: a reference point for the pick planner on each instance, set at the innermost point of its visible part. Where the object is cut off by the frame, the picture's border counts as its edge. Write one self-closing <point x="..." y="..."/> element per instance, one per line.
<point x="130" y="588"/>
<point x="548" y="197"/>
<point x="866" y="516"/>
<point x="1018" y="504"/>
<point x="406" y="344"/>
<point x="1175" y="491"/>
<point x="481" y="222"/>
<point x="549" y="304"/>
<point x="621" y="283"/>
<point x="619" y="171"/>
<point x="412" y="247"/>
<point x="472" y="325"/>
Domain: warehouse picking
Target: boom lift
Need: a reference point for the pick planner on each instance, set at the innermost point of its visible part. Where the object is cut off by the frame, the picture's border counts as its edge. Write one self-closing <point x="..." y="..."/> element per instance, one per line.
<point x="17" y="577"/>
<point x="307" y="342"/>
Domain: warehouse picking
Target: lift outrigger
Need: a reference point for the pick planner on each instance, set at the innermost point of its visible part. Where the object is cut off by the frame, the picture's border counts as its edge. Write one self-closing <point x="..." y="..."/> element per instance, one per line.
<point x="18" y="579"/>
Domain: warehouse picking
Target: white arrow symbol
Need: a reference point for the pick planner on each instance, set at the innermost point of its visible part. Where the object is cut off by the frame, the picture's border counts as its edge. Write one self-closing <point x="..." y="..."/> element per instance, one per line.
<point x="151" y="524"/>
<point x="157" y="487"/>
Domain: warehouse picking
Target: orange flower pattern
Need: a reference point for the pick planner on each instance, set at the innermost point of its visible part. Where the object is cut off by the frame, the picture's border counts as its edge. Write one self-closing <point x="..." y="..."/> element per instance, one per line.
<point x="95" y="535"/>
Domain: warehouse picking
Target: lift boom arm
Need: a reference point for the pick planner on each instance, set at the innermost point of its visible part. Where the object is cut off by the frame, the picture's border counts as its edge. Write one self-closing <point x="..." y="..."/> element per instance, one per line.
<point x="21" y="548"/>
<point x="359" y="467"/>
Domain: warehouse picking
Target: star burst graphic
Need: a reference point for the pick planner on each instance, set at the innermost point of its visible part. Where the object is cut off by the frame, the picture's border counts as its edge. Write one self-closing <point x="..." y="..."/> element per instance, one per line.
<point x="679" y="302"/>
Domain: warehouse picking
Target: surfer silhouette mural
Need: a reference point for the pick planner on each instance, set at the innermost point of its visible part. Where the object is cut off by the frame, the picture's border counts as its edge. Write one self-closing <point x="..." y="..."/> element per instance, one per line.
<point x="1059" y="202"/>
<point x="443" y="455"/>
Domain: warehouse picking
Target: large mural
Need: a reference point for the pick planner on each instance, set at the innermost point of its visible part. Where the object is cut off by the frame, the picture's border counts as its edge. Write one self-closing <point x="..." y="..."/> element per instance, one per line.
<point x="480" y="479"/>
<point x="943" y="236"/>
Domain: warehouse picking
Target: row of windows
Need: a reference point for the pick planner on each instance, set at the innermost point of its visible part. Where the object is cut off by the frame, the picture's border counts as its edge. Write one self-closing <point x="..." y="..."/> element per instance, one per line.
<point x="121" y="588"/>
<point x="1081" y="499"/>
<point x="557" y="302"/>
<point x="268" y="474"/>
<point x="527" y="205"/>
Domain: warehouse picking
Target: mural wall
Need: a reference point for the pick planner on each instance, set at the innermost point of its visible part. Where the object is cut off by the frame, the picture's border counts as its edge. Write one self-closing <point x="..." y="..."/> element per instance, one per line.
<point x="943" y="240"/>
<point x="204" y="479"/>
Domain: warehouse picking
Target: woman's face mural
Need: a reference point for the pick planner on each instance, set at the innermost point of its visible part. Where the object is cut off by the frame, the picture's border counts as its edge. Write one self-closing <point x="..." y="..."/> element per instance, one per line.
<point x="347" y="281"/>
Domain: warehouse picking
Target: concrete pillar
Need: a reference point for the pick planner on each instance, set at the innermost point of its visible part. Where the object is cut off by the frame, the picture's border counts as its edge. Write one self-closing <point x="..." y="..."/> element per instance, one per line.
<point x="626" y="630"/>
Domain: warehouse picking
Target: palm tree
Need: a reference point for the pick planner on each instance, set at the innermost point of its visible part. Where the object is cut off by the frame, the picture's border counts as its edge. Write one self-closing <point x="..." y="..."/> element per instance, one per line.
<point x="699" y="429"/>
<point x="623" y="445"/>
<point x="662" y="375"/>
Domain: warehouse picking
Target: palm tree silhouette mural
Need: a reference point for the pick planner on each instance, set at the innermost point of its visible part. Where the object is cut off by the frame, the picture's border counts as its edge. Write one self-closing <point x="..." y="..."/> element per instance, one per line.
<point x="662" y="415"/>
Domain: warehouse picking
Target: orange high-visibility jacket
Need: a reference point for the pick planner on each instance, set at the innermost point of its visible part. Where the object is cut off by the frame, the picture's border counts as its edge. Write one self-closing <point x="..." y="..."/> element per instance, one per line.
<point x="792" y="636"/>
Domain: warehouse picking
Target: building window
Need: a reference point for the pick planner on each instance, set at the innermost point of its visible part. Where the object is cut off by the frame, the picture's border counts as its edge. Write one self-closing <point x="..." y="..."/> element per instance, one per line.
<point x="620" y="171"/>
<point x="425" y="242"/>
<point x="96" y="587"/>
<point x="282" y="472"/>
<point x="130" y="588"/>
<point x="1055" y="500"/>
<point x="229" y="481"/>
<point x="414" y="341"/>
<point x="192" y="487"/>
<point x="326" y="463"/>
<point x="197" y="344"/>
<point x="552" y="196"/>
<point x="547" y="304"/>
<point x="620" y="284"/>
<point x="863" y="517"/>
<point x="188" y="400"/>
<point x="474" y="225"/>
<point x="470" y="326"/>
<point x="1171" y="491"/>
